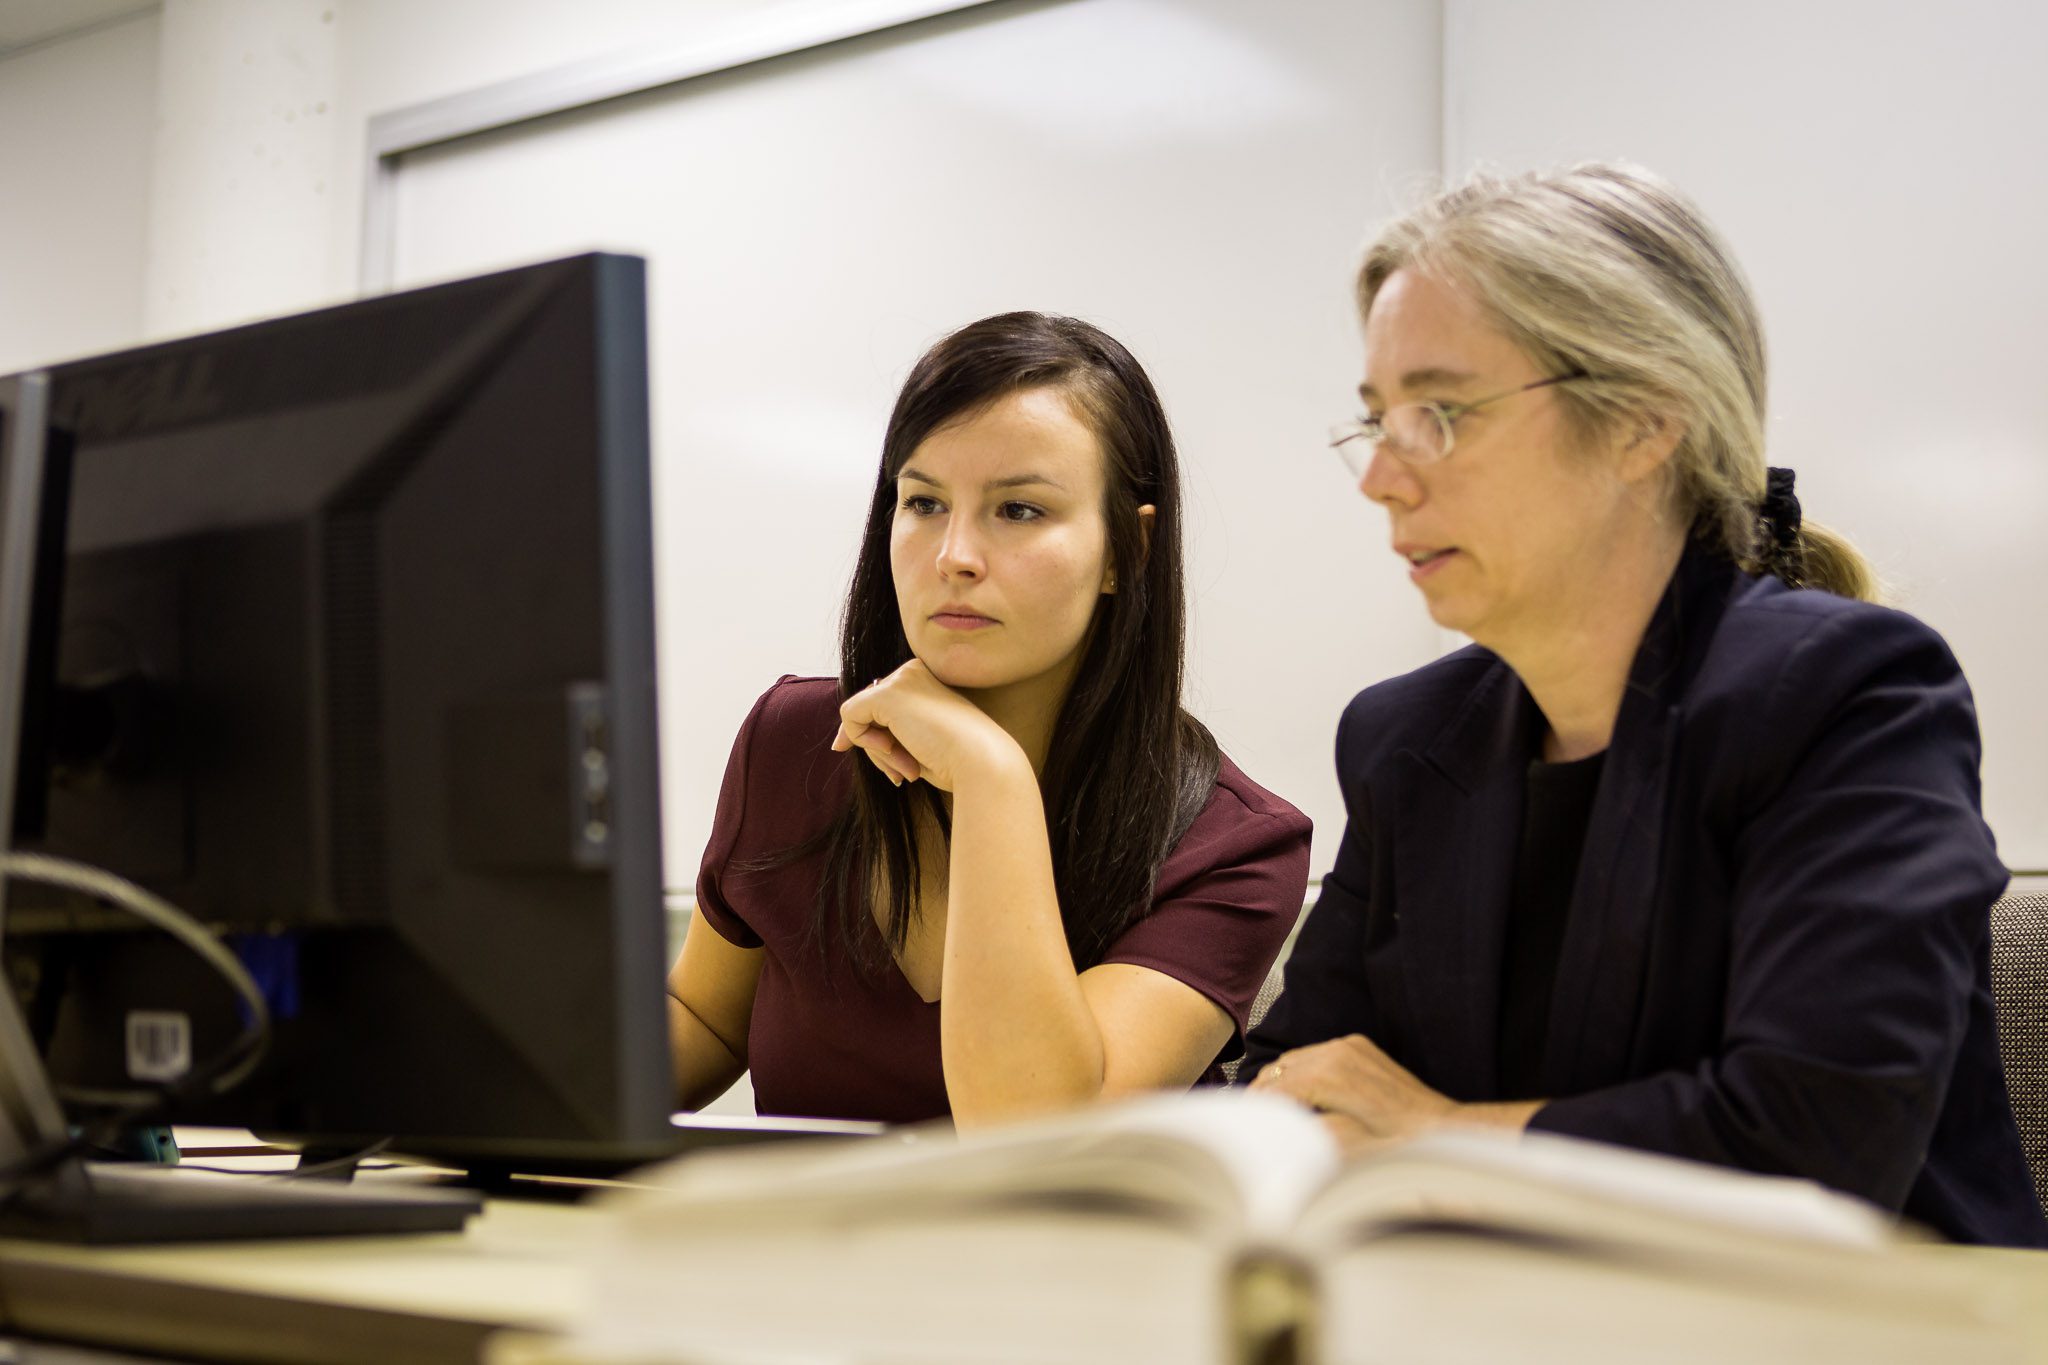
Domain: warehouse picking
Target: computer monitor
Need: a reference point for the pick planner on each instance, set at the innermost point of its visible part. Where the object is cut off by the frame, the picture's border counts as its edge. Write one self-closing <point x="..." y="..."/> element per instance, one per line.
<point x="341" y="638"/>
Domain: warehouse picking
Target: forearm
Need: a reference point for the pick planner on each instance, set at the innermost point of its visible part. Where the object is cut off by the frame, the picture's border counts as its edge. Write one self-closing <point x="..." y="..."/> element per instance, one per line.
<point x="705" y="1067"/>
<point x="1861" y="1133"/>
<point x="1016" y="1033"/>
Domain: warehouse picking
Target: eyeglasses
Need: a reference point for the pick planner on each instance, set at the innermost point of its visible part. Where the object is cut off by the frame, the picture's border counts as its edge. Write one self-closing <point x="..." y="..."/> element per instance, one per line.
<point x="1416" y="433"/>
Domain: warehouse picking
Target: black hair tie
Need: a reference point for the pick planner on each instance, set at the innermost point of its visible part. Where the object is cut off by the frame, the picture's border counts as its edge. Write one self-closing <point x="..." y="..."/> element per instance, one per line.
<point x="1778" y="519"/>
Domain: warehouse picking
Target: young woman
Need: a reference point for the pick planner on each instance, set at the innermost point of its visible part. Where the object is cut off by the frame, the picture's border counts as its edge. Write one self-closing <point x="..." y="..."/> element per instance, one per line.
<point x="994" y="868"/>
<point x="1685" y="852"/>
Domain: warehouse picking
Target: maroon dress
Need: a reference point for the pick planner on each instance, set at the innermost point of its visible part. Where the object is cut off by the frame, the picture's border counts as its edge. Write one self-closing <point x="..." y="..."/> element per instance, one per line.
<point x="829" y="1040"/>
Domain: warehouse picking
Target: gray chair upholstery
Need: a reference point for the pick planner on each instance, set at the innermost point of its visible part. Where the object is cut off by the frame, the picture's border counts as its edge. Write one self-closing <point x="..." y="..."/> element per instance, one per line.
<point x="2019" y="985"/>
<point x="1269" y="991"/>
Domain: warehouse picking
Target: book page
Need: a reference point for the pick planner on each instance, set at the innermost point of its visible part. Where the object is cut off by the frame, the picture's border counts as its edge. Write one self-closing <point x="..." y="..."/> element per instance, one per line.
<point x="1095" y="1238"/>
<point x="1540" y="1226"/>
<point x="1446" y="1296"/>
<point x="986" y="1285"/>
<point x="1566" y="1188"/>
<point x="1234" y="1162"/>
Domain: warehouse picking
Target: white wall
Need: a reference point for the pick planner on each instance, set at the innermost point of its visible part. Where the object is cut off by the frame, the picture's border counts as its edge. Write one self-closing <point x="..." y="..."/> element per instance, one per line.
<point x="202" y="166"/>
<point x="1193" y="175"/>
<point x="395" y="54"/>
<point x="1841" y="145"/>
<point x="244" y="156"/>
<point x="1874" y="163"/>
<point x="1877" y="167"/>
<point x="75" y="138"/>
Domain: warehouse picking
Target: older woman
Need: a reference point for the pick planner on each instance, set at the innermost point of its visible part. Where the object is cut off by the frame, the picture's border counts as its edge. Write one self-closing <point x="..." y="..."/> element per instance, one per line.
<point x="1684" y="853"/>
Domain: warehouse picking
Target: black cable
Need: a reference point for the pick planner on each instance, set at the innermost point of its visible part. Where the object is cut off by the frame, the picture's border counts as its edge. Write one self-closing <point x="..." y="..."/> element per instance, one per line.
<point x="339" y="1163"/>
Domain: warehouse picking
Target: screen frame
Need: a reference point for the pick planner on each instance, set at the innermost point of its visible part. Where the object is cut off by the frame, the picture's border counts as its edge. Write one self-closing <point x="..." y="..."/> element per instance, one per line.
<point x="30" y="1117"/>
<point x="632" y="1124"/>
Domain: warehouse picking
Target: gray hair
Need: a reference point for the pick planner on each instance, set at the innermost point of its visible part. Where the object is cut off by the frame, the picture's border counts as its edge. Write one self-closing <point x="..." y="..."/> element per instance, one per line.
<point x="1608" y="271"/>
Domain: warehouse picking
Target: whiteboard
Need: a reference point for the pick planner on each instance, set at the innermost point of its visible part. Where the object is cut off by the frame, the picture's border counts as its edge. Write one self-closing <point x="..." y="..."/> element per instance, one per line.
<point x="1194" y="175"/>
<point x="1876" y="167"/>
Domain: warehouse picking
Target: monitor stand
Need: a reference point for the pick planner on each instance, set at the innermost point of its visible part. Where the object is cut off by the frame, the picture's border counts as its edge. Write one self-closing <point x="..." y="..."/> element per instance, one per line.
<point x="131" y="1202"/>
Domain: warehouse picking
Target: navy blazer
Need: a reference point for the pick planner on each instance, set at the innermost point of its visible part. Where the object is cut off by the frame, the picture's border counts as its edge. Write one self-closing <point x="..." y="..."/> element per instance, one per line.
<point x="1777" y="953"/>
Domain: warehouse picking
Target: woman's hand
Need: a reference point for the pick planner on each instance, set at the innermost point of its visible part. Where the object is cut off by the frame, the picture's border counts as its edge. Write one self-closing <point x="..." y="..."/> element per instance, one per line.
<point x="915" y="728"/>
<point x="1369" y="1100"/>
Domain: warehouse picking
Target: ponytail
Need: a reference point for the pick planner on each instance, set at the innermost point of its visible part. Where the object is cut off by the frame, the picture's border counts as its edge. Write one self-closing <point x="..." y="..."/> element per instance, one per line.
<point x="1804" y="554"/>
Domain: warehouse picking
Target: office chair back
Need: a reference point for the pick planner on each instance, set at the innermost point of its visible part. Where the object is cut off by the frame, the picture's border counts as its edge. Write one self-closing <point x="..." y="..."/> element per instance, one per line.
<point x="2019" y="985"/>
<point x="1269" y="991"/>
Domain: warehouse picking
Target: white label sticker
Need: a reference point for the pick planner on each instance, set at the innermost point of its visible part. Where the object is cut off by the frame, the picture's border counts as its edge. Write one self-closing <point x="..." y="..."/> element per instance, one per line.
<point x="159" y="1045"/>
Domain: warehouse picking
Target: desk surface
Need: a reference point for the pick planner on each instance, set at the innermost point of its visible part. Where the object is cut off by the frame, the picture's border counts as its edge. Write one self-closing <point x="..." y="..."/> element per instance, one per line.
<point x="435" y="1298"/>
<point x="396" y="1300"/>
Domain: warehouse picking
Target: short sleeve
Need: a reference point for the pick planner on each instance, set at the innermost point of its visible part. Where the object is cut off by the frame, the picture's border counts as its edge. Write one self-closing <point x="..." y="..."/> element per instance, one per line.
<point x="726" y="825"/>
<point x="1226" y="899"/>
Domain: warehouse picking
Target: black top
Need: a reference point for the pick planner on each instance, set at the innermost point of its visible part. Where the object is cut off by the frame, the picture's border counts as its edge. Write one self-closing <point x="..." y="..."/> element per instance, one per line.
<point x="1557" y="803"/>
<point x="1778" y="951"/>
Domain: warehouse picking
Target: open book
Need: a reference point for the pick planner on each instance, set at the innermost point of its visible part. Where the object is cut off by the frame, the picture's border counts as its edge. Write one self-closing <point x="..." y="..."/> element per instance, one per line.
<point x="1222" y="1228"/>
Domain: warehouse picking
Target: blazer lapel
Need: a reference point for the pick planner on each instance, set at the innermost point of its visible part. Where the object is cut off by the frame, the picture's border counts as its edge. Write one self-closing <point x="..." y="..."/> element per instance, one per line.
<point x="1598" y="991"/>
<point x="1453" y="879"/>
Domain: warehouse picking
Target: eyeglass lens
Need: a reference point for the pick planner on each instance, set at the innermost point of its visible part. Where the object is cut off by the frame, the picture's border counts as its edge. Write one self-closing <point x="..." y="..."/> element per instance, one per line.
<point x="1414" y="432"/>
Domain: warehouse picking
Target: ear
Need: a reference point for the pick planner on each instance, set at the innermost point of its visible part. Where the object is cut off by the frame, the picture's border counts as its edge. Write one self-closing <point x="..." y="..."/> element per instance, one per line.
<point x="1145" y="515"/>
<point x="1646" y="450"/>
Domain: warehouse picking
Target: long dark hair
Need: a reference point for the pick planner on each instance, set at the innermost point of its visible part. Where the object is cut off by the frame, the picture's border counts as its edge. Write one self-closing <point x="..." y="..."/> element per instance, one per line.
<point x="1127" y="770"/>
